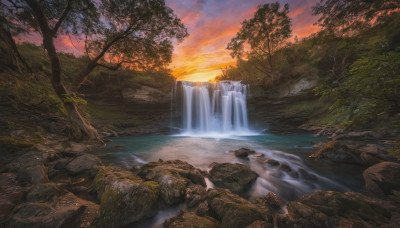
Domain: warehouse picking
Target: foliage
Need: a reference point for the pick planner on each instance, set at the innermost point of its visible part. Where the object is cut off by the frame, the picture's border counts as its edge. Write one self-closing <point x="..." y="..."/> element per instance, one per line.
<point x="349" y="17"/>
<point x="265" y="33"/>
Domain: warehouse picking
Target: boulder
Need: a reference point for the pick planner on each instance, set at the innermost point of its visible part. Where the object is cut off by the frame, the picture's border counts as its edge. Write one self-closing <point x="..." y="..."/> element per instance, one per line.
<point x="194" y="195"/>
<point x="125" y="198"/>
<point x="382" y="178"/>
<point x="63" y="211"/>
<point x="82" y="163"/>
<point x="271" y="201"/>
<point x="191" y="219"/>
<point x="33" y="174"/>
<point x="173" y="178"/>
<point x="236" y="177"/>
<point x="335" y="209"/>
<point x="335" y="151"/>
<point x="243" y="153"/>
<point x="234" y="211"/>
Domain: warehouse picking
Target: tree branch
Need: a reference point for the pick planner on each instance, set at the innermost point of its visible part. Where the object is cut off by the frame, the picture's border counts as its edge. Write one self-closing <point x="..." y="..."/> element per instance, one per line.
<point x="62" y="18"/>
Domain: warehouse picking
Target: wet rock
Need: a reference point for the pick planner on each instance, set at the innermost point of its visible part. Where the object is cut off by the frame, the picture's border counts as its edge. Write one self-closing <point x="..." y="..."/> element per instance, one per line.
<point x="271" y="162"/>
<point x="191" y="219"/>
<point x="236" y="177"/>
<point x="337" y="152"/>
<point x="173" y="178"/>
<point x="382" y="178"/>
<point x="243" y="153"/>
<point x="271" y="201"/>
<point x="307" y="176"/>
<point x="125" y="198"/>
<point x="82" y="163"/>
<point x="64" y="211"/>
<point x="234" y="211"/>
<point x="259" y="155"/>
<point x="60" y="163"/>
<point x="335" y="209"/>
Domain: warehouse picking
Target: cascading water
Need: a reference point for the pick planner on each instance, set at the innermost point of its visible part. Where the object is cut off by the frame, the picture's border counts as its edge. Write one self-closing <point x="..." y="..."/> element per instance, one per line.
<point x="214" y="108"/>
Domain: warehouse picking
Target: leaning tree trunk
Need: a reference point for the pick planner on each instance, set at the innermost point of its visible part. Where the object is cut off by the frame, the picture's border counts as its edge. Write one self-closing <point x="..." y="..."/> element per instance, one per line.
<point x="5" y="34"/>
<point x="82" y="130"/>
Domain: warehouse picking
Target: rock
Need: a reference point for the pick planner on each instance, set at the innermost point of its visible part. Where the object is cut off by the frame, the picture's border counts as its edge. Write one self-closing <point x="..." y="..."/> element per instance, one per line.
<point x="271" y="162"/>
<point x="146" y="95"/>
<point x="82" y="163"/>
<point x="259" y="155"/>
<point x="234" y="211"/>
<point x="60" y="163"/>
<point x="45" y="192"/>
<point x="33" y="174"/>
<point x="203" y="209"/>
<point x="28" y="159"/>
<point x="243" y="153"/>
<point x="173" y="178"/>
<point x="191" y="219"/>
<point x="125" y="198"/>
<point x="64" y="211"/>
<point x="194" y="195"/>
<point x="236" y="177"/>
<point x="335" y="209"/>
<point x="271" y="201"/>
<point x="10" y="194"/>
<point x="337" y="152"/>
<point x="382" y="178"/>
<point x="369" y="158"/>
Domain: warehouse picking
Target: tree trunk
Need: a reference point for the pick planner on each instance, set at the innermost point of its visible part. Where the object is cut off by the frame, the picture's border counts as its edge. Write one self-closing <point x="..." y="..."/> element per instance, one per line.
<point x="82" y="130"/>
<point x="5" y="34"/>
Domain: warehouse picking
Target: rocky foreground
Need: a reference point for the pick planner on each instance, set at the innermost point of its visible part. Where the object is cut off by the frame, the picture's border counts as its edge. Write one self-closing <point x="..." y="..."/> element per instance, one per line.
<point x="64" y="186"/>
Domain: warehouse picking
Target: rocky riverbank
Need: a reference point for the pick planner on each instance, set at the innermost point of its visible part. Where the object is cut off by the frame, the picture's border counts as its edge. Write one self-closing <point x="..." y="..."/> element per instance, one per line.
<point x="61" y="184"/>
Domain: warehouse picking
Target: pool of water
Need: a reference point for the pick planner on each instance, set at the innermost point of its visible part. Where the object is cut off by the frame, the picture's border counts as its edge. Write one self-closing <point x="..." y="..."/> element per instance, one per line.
<point x="306" y="175"/>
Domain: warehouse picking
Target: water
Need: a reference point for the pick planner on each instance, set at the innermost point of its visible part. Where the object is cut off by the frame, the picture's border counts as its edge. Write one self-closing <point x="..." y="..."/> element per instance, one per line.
<point x="293" y="151"/>
<point x="219" y="108"/>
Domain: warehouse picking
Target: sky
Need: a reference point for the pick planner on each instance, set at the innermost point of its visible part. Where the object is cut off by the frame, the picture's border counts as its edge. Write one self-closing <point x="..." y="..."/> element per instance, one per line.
<point x="211" y="25"/>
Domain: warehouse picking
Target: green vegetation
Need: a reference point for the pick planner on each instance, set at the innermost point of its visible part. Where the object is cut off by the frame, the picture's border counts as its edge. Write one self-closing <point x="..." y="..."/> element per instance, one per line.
<point x="358" y="71"/>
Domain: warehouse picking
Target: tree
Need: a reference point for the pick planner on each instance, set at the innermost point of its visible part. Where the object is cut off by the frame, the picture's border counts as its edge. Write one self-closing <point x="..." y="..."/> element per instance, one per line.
<point x="116" y="32"/>
<point x="265" y="33"/>
<point x="7" y="29"/>
<point x="349" y="17"/>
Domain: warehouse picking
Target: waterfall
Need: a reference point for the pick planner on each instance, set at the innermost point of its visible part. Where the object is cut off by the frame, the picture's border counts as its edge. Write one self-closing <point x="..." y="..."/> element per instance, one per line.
<point x="214" y="108"/>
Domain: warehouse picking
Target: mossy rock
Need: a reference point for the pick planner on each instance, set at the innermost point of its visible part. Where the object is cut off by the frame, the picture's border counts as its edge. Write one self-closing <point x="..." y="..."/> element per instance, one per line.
<point x="174" y="177"/>
<point x="238" y="178"/>
<point x="191" y="219"/>
<point x="335" y="151"/>
<point x="125" y="198"/>
<point x="234" y="211"/>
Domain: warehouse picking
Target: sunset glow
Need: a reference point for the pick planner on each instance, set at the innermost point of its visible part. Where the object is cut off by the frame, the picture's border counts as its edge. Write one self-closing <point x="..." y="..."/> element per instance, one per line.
<point x="211" y="25"/>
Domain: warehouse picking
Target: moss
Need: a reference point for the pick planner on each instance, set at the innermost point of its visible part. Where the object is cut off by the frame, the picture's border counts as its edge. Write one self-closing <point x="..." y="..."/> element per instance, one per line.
<point x="15" y="144"/>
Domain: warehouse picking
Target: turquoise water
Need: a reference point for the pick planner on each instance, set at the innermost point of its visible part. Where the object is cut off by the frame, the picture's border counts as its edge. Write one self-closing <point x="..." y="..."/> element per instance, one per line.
<point x="306" y="176"/>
